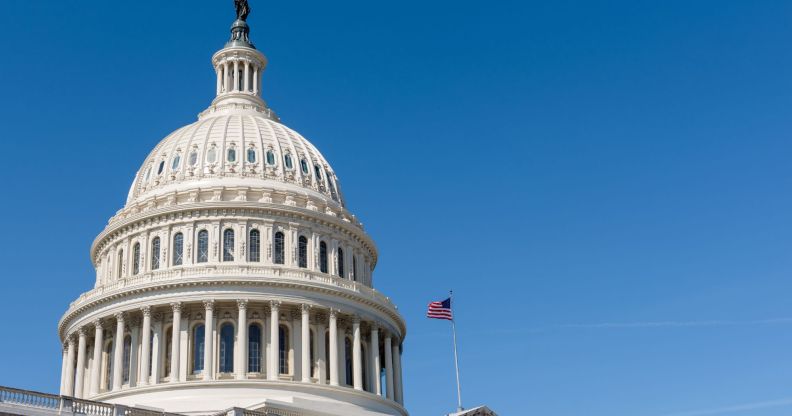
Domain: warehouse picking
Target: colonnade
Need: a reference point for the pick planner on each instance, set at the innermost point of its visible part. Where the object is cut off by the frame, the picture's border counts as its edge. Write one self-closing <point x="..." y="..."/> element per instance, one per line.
<point x="238" y="75"/>
<point x="215" y="340"/>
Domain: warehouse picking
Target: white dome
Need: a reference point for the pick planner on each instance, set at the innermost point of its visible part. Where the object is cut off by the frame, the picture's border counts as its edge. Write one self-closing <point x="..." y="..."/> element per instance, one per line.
<point x="236" y="148"/>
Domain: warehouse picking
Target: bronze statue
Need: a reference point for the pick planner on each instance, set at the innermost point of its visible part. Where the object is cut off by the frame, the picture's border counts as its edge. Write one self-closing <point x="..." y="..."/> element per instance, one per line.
<point x="242" y="9"/>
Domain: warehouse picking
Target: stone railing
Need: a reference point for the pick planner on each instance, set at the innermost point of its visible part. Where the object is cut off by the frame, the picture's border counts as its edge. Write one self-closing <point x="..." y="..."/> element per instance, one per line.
<point x="34" y="403"/>
<point x="236" y="272"/>
<point x="236" y="411"/>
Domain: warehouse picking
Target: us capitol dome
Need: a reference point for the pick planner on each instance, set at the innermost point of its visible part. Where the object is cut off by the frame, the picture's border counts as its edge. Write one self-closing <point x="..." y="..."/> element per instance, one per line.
<point x="235" y="276"/>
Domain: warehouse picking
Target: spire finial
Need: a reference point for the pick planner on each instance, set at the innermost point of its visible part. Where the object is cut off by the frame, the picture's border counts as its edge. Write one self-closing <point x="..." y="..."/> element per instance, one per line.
<point x="240" y="28"/>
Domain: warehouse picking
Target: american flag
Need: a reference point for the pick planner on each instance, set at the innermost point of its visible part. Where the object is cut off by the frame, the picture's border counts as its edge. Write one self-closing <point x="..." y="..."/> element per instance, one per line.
<point x="440" y="310"/>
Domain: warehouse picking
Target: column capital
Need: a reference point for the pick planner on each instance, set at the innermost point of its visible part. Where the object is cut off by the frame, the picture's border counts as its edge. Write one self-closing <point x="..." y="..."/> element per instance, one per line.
<point x="242" y="303"/>
<point x="333" y="313"/>
<point x="305" y="308"/>
<point x="356" y="319"/>
<point x="209" y="304"/>
<point x="119" y="316"/>
<point x="375" y="326"/>
<point x="177" y="306"/>
<point x="81" y="332"/>
<point x="275" y="305"/>
<point x="146" y="311"/>
<point x="98" y="324"/>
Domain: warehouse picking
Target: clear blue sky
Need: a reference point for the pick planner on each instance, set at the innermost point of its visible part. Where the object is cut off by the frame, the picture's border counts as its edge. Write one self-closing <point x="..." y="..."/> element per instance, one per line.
<point x="605" y="185"/>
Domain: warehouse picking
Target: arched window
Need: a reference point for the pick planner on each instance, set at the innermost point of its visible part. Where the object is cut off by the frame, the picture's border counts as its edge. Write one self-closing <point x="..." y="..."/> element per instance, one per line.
<point x="155" y="253"/>
<point x="302" y="252"/>
<point x="203" y="246"/>
<point x="283" y="349"/>
<point x="254" y="348"/>
<point x="304" y="166"/>
<point x="136" y="259"/>
<point x="227" y="348"/>
<point x="354" y="268"/>
<point x="311" y="341"/>
<point x="228" y="245"/>
<point x="251" y="155"/>
<point x="193" y="158"/>
<point x="120" y="265"/>
<point x="270" y="157"/>
<point x="161" y="168"/>
<point x="254" y="246"/>
<point x="323" y="257"/>
<point x="127" y="357"/>
<point x="348" y="360"/>
<point x="231" y="155"/>
<point x="278" y="243"/>
<point x="168" y="350"/>
<point x="108" y="353"/>
<point x="211" y="155"/>
<point x="340" y="260"/>
<point x="364" y="364"/>
<point x="287" y="160"/>
<point x="178" y="249"/>
<point x="198" y="348"/>
<point x="176" y="163"/>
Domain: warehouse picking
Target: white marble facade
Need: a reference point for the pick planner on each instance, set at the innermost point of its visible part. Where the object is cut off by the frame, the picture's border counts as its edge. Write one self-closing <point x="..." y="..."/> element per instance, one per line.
<point x="235" y="276"/>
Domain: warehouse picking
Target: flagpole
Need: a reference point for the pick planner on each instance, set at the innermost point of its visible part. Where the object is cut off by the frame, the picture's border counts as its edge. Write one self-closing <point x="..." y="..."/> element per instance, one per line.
<point x="456" y="356"/>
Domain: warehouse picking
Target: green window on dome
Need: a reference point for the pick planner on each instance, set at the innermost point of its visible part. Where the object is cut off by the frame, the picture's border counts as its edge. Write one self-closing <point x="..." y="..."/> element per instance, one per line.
<point x="251" y="155"/>
<point x="231" y="155"/>
<point x="270" y="157"/>
<point x="304" y="166"/>
<point x="288" y="161"/>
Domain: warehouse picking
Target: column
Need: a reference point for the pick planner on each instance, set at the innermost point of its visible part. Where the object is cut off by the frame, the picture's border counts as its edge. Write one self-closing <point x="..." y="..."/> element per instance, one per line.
<point x="306" y="343"/>
<point x="219" y="79"/>
<point x="96" y="370"/>
<point x="375" y="360"/>
<point x="357" y="359"/>
<point x="321" y="354"/>
<point x="145" y="351"/>
<point x="397" y="374"/>
<point x="175" y="342"/>
<point x="225" y="77"/>
<point x="333" y="347"/>
<point x="63" y="369"/>
<point x="70" y="368"/>
<point x="133" y="349"/>
<point x="297" y="346"/>
<point x="389" y="365"/>
<point x="274" y="359"/>
<point x="247" y="76"/>
<point x="156" y="349"/>
<point x="236" y="76"/>
<point x="255" y="80"/>
<point x="208" y="371"/>
<point x="241" y="361"/>
<point x="118" y="352"/>
<point x="80" y="382"/>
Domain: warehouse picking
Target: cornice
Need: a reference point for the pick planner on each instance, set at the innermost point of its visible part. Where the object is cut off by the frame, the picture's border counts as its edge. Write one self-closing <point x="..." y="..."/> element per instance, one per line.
<point x="383" y="306"/>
